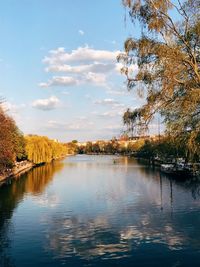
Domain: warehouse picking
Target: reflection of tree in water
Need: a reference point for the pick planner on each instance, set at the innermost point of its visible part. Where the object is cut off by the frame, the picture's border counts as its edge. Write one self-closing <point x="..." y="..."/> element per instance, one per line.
<point x="33" y="182"/>
<point x="196" y="191"/>
<point x="190" y="184"/>
<point x="39" y="178"/>
<point x="193" y="186"/>
<point x="123" y="228"/>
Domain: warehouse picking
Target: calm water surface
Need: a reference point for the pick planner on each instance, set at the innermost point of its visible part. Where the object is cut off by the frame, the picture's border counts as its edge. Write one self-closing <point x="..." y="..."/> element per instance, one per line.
<point x="99" y="211"/>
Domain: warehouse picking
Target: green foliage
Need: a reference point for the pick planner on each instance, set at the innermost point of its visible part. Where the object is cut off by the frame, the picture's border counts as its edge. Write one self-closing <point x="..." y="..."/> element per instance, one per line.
<point x="111" y="147"/>
<point x="166" y="148"/>
<point x="147" y="150"/>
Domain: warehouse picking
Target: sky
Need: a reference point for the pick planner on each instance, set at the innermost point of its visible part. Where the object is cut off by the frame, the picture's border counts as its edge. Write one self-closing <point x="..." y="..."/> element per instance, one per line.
<point x="59" y="73"/>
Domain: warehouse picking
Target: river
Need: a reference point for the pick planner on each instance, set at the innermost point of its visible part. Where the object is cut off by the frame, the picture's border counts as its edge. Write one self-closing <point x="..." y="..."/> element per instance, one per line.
<point x="99" y="211"/>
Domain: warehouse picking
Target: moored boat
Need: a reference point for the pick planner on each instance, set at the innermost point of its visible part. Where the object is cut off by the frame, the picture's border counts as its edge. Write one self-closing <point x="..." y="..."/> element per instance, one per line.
<point x="178" y="169"/>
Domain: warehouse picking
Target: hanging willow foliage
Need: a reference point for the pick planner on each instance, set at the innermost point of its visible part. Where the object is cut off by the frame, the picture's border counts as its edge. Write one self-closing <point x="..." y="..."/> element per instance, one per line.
<point x="40" y="149"/>
<point x="167" y="55"/>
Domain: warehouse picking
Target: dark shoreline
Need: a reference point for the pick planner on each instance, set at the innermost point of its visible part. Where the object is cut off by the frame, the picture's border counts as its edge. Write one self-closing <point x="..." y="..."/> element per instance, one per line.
<point x="21" y="168"/>
<point x="16" y="170"/>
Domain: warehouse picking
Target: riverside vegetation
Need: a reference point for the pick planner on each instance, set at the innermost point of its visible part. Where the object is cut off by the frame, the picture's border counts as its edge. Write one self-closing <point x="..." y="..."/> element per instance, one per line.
<point x="167" y="55"/>
<point x="15" y="147"/>
<point x="164" y="147"/>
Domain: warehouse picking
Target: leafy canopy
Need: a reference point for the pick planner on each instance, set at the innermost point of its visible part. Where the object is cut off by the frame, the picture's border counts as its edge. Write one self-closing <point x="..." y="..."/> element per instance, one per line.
<point x="12" y="145"/>
<point x="167" y="54"/>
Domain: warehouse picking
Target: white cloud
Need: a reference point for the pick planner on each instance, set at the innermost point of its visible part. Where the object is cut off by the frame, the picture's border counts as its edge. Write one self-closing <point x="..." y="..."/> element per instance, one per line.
<point x="15" y="111"/>
<point x="94" y="67"/>
<point x="81" y="32"/>
<point x="78" y="125"/>
<point x="106" y="101"/>
<point x="116" y="109"/>
<point x="44" y="85"/>
<point x="116" y="127"/>
<point x="95" y="78"/>
<point x="46" y="104"/>
<point x="12" y="108"/>
<point x="110" y="114"/>
<point x="60" y="81"/>
<point x="83" y="65"/>
<point x="118" y="92"/>
<point x="92" y="78"/>
<point x="80" y="55"/>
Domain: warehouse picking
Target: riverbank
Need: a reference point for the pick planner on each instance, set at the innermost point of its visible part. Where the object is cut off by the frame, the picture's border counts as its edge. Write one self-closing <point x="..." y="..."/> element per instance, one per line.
<point x="21" y="167"/>
<point x="18" y="168"/>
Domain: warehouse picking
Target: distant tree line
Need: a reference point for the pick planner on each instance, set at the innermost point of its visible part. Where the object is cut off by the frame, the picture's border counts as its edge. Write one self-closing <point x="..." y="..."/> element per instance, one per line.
<point x="110" y="147"/>
<point x="101" y="147"/>
<point x="165" y="148"/>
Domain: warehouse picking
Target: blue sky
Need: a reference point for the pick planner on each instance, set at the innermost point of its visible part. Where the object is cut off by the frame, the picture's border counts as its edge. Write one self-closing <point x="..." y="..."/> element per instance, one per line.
<point x="59" y="73"/>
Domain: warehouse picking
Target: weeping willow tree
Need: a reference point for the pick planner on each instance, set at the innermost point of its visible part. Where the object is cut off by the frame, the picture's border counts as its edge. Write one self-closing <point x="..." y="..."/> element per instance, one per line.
<point x="131" y="120"/>
<point x="167" y="54"/>
<point x="40" y="149"/>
